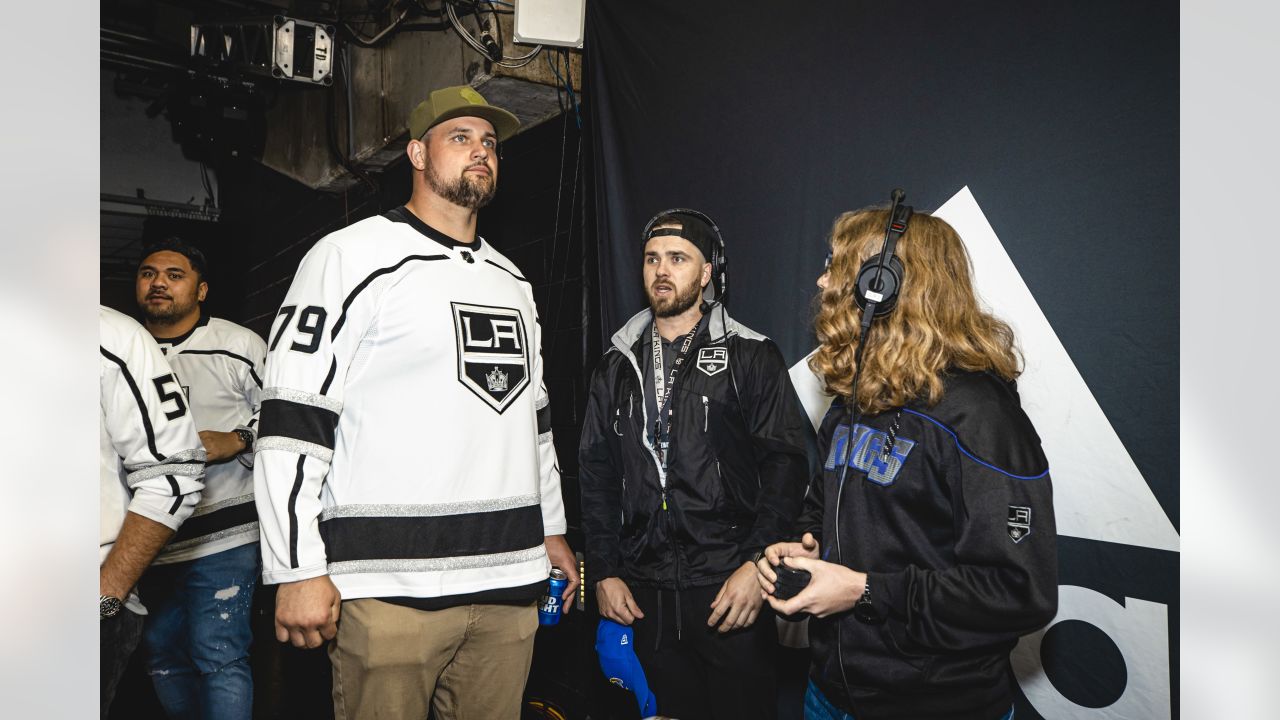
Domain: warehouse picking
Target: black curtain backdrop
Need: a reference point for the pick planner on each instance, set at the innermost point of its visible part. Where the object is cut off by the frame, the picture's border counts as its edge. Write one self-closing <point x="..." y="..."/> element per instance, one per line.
<point x="1062" y="118"/>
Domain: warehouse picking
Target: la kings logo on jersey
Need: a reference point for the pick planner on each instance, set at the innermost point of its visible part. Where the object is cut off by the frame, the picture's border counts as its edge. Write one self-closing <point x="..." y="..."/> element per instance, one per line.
<point x="493" y="352"/>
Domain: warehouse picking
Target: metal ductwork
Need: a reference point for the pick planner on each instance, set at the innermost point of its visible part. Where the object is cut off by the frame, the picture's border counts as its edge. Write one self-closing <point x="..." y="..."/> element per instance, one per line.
<point x="321" y="91"/>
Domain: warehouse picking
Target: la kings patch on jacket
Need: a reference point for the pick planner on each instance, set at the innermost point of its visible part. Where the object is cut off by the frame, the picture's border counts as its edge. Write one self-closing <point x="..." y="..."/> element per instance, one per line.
<point x="713" y="360"/>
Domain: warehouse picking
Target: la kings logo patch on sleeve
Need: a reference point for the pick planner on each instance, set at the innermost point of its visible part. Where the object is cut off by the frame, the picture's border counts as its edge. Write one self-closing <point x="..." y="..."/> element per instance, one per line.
<point x="1019" y="522"/>
<point x="493" y="353"/>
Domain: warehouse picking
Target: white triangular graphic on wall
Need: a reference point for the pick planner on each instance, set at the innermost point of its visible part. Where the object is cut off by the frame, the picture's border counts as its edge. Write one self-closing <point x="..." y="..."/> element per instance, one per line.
<point x="1098" y="491"/>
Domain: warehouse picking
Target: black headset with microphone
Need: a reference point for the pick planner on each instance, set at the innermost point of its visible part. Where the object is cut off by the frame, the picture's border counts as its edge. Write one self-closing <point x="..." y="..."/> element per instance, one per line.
<point x="879" y="284"/>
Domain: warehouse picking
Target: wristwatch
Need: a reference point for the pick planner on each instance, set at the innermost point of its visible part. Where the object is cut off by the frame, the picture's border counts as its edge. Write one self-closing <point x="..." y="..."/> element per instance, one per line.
<point x="246" y="437"/>
<point x="108" y="606"/>
<point x="864" y="610"/>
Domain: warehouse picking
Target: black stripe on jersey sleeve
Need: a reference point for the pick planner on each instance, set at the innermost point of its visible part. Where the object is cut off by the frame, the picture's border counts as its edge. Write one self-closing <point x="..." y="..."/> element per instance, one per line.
<point x="507" y="271"/>
<point x="544" y="419"/>
<point x="406" y="538"/>
<point x="293" y="513"/>
<point x="328" y="379"/>
<point x="229" y="354"/>
<point x="346" y="304"/>
<point x="137" y="396"/>
<point x="308" y="423"/>
<point x="226" y="518"/>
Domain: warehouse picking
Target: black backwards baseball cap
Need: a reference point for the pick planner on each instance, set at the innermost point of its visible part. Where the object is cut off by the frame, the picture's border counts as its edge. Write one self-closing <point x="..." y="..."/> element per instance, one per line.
<point x="459" y="101"/>
<point x="690" y="226"/>
<point x="173" y="243"/>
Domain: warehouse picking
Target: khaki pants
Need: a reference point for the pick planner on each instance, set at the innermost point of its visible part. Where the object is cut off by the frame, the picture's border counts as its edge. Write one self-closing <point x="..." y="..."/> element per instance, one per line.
<point x="467" y="663"/>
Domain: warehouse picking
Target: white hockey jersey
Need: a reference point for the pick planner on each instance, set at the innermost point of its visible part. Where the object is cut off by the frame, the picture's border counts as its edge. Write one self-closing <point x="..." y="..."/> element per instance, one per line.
<point x="219" y="365"/>
<point x="150" y="457"/>
<point x="405" y="445"/>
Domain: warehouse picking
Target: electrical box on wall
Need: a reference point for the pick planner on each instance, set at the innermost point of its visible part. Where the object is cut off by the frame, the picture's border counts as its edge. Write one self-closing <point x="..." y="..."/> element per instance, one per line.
<point x="550" y="22"/>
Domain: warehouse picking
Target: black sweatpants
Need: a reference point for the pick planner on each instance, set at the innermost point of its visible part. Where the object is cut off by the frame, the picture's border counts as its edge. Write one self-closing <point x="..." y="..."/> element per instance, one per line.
<point x="697" y="672"/>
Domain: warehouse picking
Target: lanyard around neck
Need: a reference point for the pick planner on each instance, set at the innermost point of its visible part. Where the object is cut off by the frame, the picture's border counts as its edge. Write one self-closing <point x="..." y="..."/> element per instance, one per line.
<point x="663" y="383"/>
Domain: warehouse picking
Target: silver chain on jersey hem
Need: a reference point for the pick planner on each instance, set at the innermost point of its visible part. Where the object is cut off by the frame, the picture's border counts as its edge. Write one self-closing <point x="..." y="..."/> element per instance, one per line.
<point x="468" y="562"/>
<point x="435" y="510"/>
<point x="214" y="507"/>
<point x="211" y="537"/>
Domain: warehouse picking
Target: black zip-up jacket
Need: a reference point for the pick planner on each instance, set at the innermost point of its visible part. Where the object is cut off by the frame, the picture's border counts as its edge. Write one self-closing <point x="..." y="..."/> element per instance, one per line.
<point x="737" y="464"/>
<point x="956" y="533"/>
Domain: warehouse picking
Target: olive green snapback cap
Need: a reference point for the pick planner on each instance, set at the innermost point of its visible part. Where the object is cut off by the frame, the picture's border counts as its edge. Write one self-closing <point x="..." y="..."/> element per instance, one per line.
<point x="459" y="101"/>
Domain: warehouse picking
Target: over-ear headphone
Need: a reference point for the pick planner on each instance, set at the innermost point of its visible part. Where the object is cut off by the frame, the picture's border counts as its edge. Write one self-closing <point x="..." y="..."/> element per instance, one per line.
<point x="880" y="277"/>
<point x="879" y="283"/>
<point x="719" y="263"/>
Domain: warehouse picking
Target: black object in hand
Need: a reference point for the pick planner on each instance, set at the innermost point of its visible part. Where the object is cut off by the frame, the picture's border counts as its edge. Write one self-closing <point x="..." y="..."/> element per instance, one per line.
<point x="790" y="581"/>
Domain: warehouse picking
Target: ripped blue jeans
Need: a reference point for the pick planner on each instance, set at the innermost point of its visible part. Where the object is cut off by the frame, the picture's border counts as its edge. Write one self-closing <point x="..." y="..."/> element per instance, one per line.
<point x="197" y="634"/>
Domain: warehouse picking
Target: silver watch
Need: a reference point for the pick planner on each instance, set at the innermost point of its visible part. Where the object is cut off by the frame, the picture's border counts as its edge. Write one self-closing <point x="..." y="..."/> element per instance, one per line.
<point x="108" y="606"/>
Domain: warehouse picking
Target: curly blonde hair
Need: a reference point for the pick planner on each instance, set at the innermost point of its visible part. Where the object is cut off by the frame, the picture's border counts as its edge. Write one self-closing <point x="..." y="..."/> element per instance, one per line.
<point x="937" y="326"/>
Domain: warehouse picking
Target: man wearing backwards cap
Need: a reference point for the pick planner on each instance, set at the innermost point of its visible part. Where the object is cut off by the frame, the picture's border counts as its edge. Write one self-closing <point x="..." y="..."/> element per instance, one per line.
<point x="406" y="478"/>
<point x="692" y="459"/>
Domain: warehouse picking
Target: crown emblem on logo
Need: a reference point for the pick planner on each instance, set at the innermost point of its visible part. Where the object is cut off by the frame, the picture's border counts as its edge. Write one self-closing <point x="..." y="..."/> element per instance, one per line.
<point x="496" y="380"/>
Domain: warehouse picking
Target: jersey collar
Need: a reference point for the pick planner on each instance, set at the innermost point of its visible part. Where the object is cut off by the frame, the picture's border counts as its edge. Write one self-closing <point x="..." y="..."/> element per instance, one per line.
<point x="402" y="215"/>
<point x="175" y="341"/>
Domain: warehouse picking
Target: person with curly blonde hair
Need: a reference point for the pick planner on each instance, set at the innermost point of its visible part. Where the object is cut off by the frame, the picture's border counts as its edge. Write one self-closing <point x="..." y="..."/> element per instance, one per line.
<point x="928" y="535"/>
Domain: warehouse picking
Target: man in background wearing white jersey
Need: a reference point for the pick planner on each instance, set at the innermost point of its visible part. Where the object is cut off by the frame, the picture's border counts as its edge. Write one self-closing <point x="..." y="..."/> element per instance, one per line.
<point x="150" y="464"/>
<point x="406" y="477"/>
<point x="200" y="589"/>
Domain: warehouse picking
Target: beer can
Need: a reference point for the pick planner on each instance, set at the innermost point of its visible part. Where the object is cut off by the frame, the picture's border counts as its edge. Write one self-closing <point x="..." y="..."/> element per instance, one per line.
<point x="550" y="607"/>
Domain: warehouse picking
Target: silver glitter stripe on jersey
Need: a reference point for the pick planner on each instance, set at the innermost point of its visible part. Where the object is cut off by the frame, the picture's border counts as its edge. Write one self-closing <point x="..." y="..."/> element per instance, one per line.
<point x="301" y="447"/>
<point x="214" y="507"/>
<point x="305" y="398"/>
<point x="545" y="438"/>
<point x="186" y="456"/>
<point x="211" y="537"/>
<point x="192" y="470"/>
<point x="438" y="510"/>
<point x="468" y="562"/>
<point x="542" y="402"/>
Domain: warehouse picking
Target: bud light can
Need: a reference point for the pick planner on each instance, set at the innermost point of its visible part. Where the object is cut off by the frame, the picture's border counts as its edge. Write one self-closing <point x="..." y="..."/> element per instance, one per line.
<point x="550" y="606"/>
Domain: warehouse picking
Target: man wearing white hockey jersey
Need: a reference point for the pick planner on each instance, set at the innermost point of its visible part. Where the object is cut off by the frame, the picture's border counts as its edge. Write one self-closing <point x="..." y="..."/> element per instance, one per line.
<point x="200" y="588"/>
<point x="150" y="463"/>
<point x="406" y="478"/>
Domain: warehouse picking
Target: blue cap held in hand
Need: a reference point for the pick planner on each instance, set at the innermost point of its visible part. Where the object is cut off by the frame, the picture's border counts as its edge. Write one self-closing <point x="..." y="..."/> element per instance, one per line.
<point x="619" y="662"/>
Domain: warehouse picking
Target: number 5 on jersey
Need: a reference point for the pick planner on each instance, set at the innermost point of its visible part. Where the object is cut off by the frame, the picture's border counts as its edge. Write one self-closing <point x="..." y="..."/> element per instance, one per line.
<point x="310" y="324"/>
<point x="170" y="396"/>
